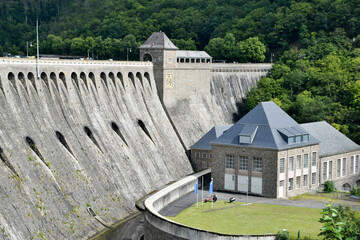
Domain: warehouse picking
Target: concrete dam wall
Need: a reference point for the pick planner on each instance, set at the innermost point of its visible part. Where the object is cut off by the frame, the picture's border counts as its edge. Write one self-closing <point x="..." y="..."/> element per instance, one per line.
<point x="87" y="134"/>
<point x="196" y="114"/>
<point x="80" y="145"/>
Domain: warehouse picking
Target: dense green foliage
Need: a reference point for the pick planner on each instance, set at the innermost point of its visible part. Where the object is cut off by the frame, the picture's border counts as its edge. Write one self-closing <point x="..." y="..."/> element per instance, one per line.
<point x="276" y="23"/>
<point x="329" y="186"/>
<point x="340" y="223"/>
<point x="355" y="191"/>
<point x="320" y="81"/>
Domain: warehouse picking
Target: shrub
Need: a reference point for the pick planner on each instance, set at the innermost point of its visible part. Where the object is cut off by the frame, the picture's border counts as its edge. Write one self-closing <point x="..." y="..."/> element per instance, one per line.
<point x="284" y="235"/>
<point x="329" y="186"/>
<point x="355" y="191"/>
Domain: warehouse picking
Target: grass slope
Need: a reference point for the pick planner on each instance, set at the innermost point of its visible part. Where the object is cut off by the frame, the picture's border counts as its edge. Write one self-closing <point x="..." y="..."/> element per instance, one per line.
<point x="252" y="219"/>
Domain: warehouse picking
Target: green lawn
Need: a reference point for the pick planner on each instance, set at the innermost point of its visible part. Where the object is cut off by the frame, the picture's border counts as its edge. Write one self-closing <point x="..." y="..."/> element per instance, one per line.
<point x="252" y="219"/>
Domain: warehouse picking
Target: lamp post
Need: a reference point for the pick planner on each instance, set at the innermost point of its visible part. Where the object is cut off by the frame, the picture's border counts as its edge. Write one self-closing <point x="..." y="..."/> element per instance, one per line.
<point x="27" y="47"/>
<point x="127" y="53"/>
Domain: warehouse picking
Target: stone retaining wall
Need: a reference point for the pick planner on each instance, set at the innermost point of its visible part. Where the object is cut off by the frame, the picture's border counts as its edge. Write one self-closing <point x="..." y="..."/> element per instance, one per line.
<point x="158" y="227"/>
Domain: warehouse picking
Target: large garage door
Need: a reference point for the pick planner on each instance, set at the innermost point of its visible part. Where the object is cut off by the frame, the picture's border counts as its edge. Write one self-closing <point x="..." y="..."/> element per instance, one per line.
<point x="256" y="185"/>
<point x="242" y="183"/>
<point x="229" y="181"/>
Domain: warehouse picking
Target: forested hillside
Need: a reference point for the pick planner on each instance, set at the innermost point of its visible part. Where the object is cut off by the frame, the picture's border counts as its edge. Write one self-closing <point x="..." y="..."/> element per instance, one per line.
<point x="314" y="43"/>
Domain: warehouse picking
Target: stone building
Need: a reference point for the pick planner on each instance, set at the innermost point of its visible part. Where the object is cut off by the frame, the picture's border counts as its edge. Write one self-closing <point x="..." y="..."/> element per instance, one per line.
<point x="268" y="153"/>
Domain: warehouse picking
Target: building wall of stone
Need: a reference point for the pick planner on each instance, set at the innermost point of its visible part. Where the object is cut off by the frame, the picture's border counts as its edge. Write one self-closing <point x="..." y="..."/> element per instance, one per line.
<point x="340" y="179"/>
<point x="201" y="159"/>
<point x="288" y="174"/>
<point x="268" y="174"/>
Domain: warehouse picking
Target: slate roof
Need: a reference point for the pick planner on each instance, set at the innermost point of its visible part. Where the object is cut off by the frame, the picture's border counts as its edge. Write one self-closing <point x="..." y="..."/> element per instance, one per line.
<point x="269" y="118"/>
<point x="332" y="141"/>
<point x="158" y="40"/>
<point x="215" y="132"/>
<point x="192" y="54"/>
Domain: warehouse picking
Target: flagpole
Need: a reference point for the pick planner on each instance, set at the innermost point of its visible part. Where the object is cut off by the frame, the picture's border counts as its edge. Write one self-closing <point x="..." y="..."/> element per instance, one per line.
<point x="202" y="190"/>
<point x="211" y="192"/>
<point x="247" y="191"/>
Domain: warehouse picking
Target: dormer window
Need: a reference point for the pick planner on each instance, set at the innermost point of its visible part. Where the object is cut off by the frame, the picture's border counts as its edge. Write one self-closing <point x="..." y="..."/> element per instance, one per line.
<point x="247" y="134"/>
<point x="293" y="135"/>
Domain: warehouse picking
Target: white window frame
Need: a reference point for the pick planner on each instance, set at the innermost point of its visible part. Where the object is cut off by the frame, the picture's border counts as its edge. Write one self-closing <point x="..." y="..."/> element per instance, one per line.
<point x="343" y="167"/>
<point x="197" y="154"/>
<point x="298" y="182"/>
<point x="338" y="167"/>
<point x="305" y="180"/>
<point x="230" y="161"/>
<point x="298" y="162"/>
<point x="313" y="178"/>
<point x="257" y="164"/>
<point x="352" y="164"/>
<point x="291" y="163"/>
<point x="243" y="163"/>
<point x="313" y="159"/>
<point x="306" y="160"/>
<point x="282" y="165"/>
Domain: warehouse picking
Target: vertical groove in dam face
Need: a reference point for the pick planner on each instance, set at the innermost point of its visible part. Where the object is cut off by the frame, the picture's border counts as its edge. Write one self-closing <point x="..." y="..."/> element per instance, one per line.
<point x="35" y="149"/>
<point x="7" y="162"/>
<point x="62" y="140"/>
<point x="116" y="129"/>
<point x="92" y="138"/>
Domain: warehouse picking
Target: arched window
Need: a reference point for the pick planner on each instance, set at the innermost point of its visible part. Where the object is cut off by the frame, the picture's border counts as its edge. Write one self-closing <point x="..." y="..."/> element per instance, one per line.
<point x="147" y="57"/>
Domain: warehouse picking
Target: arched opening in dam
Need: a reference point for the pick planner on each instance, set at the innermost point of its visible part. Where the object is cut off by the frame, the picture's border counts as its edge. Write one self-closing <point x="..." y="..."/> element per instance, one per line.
<point x="147" y="57"/>
<point x="143" y="127"/>
<point x="116" y="129"/>
<point x="62" y="140"/>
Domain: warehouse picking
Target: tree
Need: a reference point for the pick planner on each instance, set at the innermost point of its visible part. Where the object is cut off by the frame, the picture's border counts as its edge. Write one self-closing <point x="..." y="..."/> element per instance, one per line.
<point x="78" y="46"/>
<point x="184" y="44"/>
<point x="215" y="48"/>
<point x="342" y="223"/>
<point x="252" y="50"/>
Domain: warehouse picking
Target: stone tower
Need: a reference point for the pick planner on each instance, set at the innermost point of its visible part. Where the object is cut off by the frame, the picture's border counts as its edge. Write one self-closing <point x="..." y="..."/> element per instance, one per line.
<point x="162" y="52"/>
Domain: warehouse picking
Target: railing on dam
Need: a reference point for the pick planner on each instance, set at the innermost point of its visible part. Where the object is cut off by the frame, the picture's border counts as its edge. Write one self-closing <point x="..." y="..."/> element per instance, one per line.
<point x="159" y="227"/>
<point x="241" y="67"/>
<point x="73" y="62"/>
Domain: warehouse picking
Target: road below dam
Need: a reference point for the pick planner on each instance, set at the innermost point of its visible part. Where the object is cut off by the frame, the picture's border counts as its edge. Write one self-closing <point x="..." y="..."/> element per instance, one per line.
<point x="82" y="143"/>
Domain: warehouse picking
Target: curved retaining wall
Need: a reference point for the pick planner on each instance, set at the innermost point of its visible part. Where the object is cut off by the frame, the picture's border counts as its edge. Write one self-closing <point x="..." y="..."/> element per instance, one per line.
<point x="158" y="227"/>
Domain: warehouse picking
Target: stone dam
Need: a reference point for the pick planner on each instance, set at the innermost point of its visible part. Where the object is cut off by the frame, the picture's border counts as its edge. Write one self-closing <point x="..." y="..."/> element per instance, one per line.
<point x="91" y="137"/>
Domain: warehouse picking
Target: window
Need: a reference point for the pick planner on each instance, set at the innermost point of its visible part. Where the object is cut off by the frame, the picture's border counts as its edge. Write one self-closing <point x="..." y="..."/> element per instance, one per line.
<point x="338" y="168"/>
<point x="257" y="164"/>
<point x="343" y="167"/>
<point x="281" y="184"/>
<point x="298" y="162"/>
<point x="313" y="178"/>
<point x="313" y="161"/>
<point x="291" y="163"/>
<point x="298" y="182"/>
<point x="291" y="183"/>
<point x="282" y="162"/>
<point x="305" y="179"/>
<point x="324" y="171"/>
<point x="197" y="155"/>
<point x="210" y="156"/>
<point x="357" y="164"/>
<point x="330" y="170"/>
<point x="230" y="160"/>
<point x="352" y="165"/>
<point x="243" y="163"/>
<point x="204" y="155"/>
<point x="306" y="157"/>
